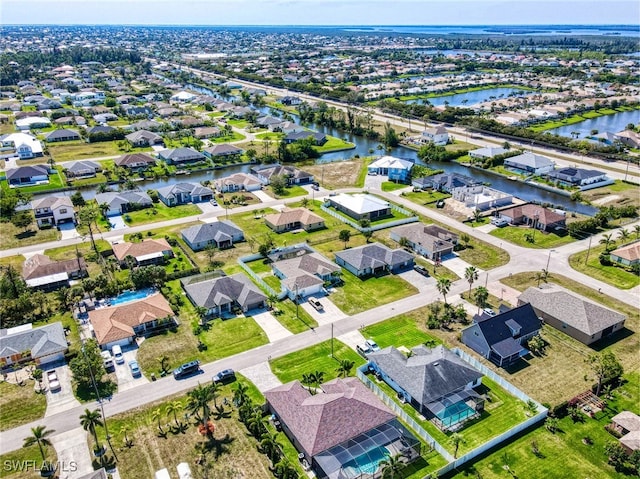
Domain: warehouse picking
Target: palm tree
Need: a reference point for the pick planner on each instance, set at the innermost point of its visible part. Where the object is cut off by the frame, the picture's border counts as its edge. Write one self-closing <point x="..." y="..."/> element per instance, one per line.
<point x="89" y="421"/>
<point x="124" y="430"/>
<point x="345" y="368"/>
<point x="199" y="404"/>
<point x="456" y="439"/>
<point x="481" y="296"/>
<point x="174" y="407"/>
<point x="156" y="415"/>
<point x="471" y="275"/>
<point x="256" y="423"/>
<point x="307" y="379"/>
<point x="623" y="234"/>
<point x="284" y="469"/>
<point x="214" y="389"/>
<point x="39" y="436"/>
<point x="344" y="235"/>
<point x="606" y="240"/>
<point x="444" y="285"/>
<point x="240" y="395"/>
<point x="477" y="215"/>
<point x="270" y="445"/>
<point x="636" y="230"/>
<point x="317" y="377"/>
<point x="392" y="466"/>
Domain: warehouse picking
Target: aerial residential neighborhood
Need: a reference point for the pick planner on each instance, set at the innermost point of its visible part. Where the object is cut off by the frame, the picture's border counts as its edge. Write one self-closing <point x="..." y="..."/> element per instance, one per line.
<point x="309" y="251"/>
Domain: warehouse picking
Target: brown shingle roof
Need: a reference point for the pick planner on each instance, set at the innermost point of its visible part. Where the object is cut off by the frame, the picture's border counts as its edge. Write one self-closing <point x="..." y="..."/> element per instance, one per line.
<point x="293" y="215"/>
<point x="630" y="252"/>
<point x="133" y="159"/>
<point x="147" y="246"/>
<point x="40" y="265"/>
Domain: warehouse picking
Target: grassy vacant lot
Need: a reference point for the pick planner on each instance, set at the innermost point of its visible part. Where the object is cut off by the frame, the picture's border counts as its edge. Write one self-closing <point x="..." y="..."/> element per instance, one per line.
<point x="620" y="193"/>
<point x="161" y="212"/>
<point x="315" y="358"/>
<point x="391" y="186"/>
<point x="270" y="136"/>
<point x="235" y="136"/>
<point x="577" y="118"/>
<point x="399" y="331"/>
<point x="563" y="454"/>
<point x="340" y="174"/>
<point x="357" y="295"/>
<point x="614" y="275"/>
<point x="232" y="453"/>
<point x="483" y="255"/>
<point x="20" y="404"/>
<point x="334" y="144"/>
<point x="287" y="317"/>
<point x="13" y="237"/>
<point x="78" y="150"/>
<point x="242" y="198"/>
<point x="517" y="235"/>
<point x="15" y="261"/>
<point x="30" y="454"/>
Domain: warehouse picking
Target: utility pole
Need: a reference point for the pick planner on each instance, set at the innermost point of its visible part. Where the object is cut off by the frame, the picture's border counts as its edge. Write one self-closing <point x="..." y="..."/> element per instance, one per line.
<point x="331" y="339"/>
<point x="586" y="259"/>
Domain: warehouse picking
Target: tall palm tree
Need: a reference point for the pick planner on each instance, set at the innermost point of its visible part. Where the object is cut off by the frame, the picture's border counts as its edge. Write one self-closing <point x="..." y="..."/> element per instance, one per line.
<point x="318" y="377"/>
<point x="240" y="394"/>
<point x="214" y="389"/>
<point x="456" y="439"/>
<point x="270" y="445"/>
<point x="443" y="285"/>
<point x="623" y="234"/>
<point x="392" y="466"/>
<point x="345" y="368"/>
<point x="156" y="415"/>
<point x="606" y="240"/>
<point x="174" y="407"/>
<point x="256" y="423"/>
<point x="471" y="275"/>
<point x="481" y="296"/>
<point x="89" y="421"/>
<point x="40" y="436"/>
<point x="636" y="230"/>
<point x="199" y="403"/>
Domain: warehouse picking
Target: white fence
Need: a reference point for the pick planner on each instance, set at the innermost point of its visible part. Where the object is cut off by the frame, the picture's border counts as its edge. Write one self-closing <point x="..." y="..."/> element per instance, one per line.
<point x="247" y="259"/>
<point x="380" y="226"/>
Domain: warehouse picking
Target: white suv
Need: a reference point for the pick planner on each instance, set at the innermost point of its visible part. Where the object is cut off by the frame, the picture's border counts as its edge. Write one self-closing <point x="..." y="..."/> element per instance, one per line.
<point x="117" y="354"/>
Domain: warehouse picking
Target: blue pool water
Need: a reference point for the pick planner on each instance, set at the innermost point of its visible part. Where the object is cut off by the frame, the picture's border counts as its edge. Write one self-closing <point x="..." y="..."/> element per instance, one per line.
<point x="129" y="296"/>
<point x="455" y="413"/>
<point x="369" y="462"/>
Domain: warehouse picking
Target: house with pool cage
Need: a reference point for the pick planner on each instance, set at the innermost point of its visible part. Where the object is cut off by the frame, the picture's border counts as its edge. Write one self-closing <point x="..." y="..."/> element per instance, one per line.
<point x="436" y="382"/>
<point x="343" y="431"/>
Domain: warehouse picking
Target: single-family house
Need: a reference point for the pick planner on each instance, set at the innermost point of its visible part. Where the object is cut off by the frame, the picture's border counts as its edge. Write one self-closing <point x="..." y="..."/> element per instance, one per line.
<point x="41" y="272"/>
<point x="502" y="339"/>
<point x="222" y="295"/>
<point x="183" y="97"/>
<point x="570" y="176"/>
<point x="150" y="125"/>
<point x="53" y="210"/>
<point x="293" y="136"/>
<point x="182" y="193"/>
<point x="123" y="201"/>
<point x="395" y="168"/>
<point x="438" y="136"/>
<point x="135" y="160"/>
<point x="238" y="182"/>
<point x="575" y="315"/>
<point x="627" y="255"/>
<point x="302" y="271"/>
<point x="294" y="219"/>
<point x="220" y="234"/>
<point x="137" y="111"/>
<point x="446" y="182"/>
<point x="430" y="241"/>
<point x="180" y="155"/>
<point x="26" y="145"/>
<point x="361" y="206"/>
<point x="27" y="175"/>
<point x="61" y="135"/>
<point x="530" y="163"/>
<point x="146" y="252"/>
<point x="294" y="175"/>
<point x="207" y="132"/>
<point x="121" y="324"/>
<point x="487" y="152"/>
<point x="374" y="259"/>
<point x="33" y="122"/>
<point x="291" y="100"/>
<point x="535" y="216"/>
<point x="24" y="344"/>
<point x="81" y="169"/>
<point x="166" y="112"/>
<point x="222" y="150"/>
<point x="343" y="430"/>
<point x="480" y="197"/>
<point x="629" y="138"/>
<point x="438" y="383"/>
<point x="140" y="138"/>
<point x="627" y="425"/>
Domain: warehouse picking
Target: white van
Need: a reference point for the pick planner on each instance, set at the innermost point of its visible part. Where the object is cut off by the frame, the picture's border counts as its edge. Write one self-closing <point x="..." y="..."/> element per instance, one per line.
<point x="117" y="354"/>
<point x="108" y="361"/>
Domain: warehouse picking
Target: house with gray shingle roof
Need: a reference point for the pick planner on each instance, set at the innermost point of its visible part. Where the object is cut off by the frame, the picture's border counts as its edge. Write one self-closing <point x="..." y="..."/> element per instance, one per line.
<point x="222" y="149"/>
<point x="61" y="135"/>
<point x="53" y="210"/>
<point x="344" y="430"/>
<point x="570" y="176"/>
<point x="374" y="259"/>
<point x="294" y="175"/>
<point x="221" y="234"/>
<point x="144" y="138"/>
<point x="123" y="201"/>
<point x="222" y="295"/>
<point x="488" y="152"/>
<point x="575" y="315"/>
<point x="182" y="193"/>
<point x="180" y="155"/>
<point x="430" y="241"/>
<point x="434" y="381"/>
<point x="303" y="271"/>
<point x="27" y="175"/>
<point x="530" y="163"/>
<point x="135" y="160"/>
<point x="22" y="344"/>
<point x="82" y="169"/>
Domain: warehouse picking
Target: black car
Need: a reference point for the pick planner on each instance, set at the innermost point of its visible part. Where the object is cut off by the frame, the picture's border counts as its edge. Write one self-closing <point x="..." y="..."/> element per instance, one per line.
<point x="421" y="269"/>
<point x="226" y="375"/>
<point x="186" y="369"/>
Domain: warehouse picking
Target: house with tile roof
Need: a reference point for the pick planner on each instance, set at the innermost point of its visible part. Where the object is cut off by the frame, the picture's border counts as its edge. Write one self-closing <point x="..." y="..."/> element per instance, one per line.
<point x="294" y="175"/>
<point x="627" y="425"/>
<point x="42" y="345"/>
<point x="53" y="210"/>
<point x="374" y="259"/>
<point x="302" y="271"/>
<point x="220" y="234"/>
<point x="341" y="427"/>
<point x="361" y="206"/>
<point x="146" y="252"/>
<point x="534" y="216"/>
<point x="238" y="182"/>
<point x="294" y="219"/>
<point x="121" y="324"/>
<point x="141" y="138"/>
<point x="183" y="193"/>
<point x="222" y="295"/>
<point x="502" y="338"/>
<point x="575" y="315"/>
<point x="627" y="255"/>
<point x="434" y="381"/>
<point x="41" y="272"/>
<point x="430" y="241"/>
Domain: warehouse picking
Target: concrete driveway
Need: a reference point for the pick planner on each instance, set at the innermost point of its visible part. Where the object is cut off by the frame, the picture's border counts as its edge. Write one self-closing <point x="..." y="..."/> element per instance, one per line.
<point x="68" y="231"/>
<point x="374" y="182"/>
<point x="270" y="325"/>
<point x="352" y="338"/>
<point x="488" y="228"/>
<point x="123" y="373"/>
<point x="261" y="375"/>
<point x="423" y="283"/>
<point x="329" y="314"/>
<point x="262" y="196"/>
<point x="62" y="399"/>
<point x="117" y="222"/>
<point x="457" y="265"/>
<point x="207" y="207"/>
<point x="74" y="457"/>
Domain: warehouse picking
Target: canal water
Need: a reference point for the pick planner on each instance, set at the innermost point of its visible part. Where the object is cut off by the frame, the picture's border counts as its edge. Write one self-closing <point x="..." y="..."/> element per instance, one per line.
<point x="611" y="123"/>
<point x="473" y="97"/>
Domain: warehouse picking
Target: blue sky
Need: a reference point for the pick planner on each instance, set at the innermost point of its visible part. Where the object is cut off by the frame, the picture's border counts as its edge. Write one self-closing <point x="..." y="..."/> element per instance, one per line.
<point x="320" y="12"/>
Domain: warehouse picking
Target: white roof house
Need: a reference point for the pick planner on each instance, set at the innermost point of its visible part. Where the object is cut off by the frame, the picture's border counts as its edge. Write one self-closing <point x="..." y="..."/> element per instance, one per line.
<point x="360" y="205"/>
<point x="530" y="163"/>
<point x="27" y="146"/>
<point x="32" y="122"/>
<point x="183" y="96"/>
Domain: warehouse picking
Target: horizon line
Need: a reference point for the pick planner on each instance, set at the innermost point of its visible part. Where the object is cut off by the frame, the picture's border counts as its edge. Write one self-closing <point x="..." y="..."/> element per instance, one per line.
<point x="547" y="25"/>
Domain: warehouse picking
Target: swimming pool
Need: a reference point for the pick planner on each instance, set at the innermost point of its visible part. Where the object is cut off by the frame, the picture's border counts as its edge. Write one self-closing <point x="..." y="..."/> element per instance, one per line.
<point x="367" y="463"/>
<point x="129" y="296"/>
<point x="455" y="413"/>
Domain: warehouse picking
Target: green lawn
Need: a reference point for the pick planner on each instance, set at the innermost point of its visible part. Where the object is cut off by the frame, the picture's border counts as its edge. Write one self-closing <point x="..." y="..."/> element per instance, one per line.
<point x="357" y="295"/>
<point x="315" y="358"/>
<point x="238" y="123"/>
<point x="289" y="192"/>
<point x="234" y="136"/>
<point x="78" y="150"/>
<point x="12" y="237"/>
<point x="30" y="455"/>
<point x="563" y="454"/>
<point x="517" y="235"/>
<point x="613" y="275"/>
<point x="334" y="144"/>
<point x="577" y="118"/>
<point x="270" y="136"/>
<point x="160" y="212"/>
<point x="296" y="323"/>
<point x="483" y="255"/>
<point x="399" y="331"/>
<point x="426" y="198"/>
<point x="20" y="404"/>
<point x="56" y="180"/>
<point x="391" y="186"/>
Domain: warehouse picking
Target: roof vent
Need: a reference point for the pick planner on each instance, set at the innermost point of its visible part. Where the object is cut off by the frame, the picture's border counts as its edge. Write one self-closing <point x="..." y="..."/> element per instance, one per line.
<point x="436" y="364"/>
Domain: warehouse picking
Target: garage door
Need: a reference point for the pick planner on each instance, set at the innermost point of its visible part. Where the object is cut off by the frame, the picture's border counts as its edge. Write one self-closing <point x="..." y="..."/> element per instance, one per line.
<point x="255" y="306"/>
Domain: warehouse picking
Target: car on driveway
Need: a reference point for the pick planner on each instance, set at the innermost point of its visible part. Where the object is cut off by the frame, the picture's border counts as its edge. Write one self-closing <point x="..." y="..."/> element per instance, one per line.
<point x="317" y="305"/>
<point x="499" y="222"/>
<point x="135" y="369"/>
<point x="363" y="349"/>
<point x="52" y="379"/>
<point x="372" y="344"/>
<point x="421" y="269"/>
<point x="117" y="354"/>
<point x="224" y="376"/>
<point x="489" y="312"/>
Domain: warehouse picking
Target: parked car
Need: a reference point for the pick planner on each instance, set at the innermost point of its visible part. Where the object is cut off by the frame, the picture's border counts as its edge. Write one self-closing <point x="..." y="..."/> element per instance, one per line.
<point x="363" y="349"/>
<point x="315" y="187"/>
<point x="117" y="354"/>
<point x="499" y="222"/>
<point x="317" y="305"/>
<point x="421" y="269"/>
<point x="107" y="360"/>
<point x="52" y="379"/>
<point x="440" y="204"/>
<point x="489" y="312"/>
<point x="186" y="369"/>
<point x="372" y="344"/>
<point x="135" y="369"/>
<point x="226" y="375"/>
